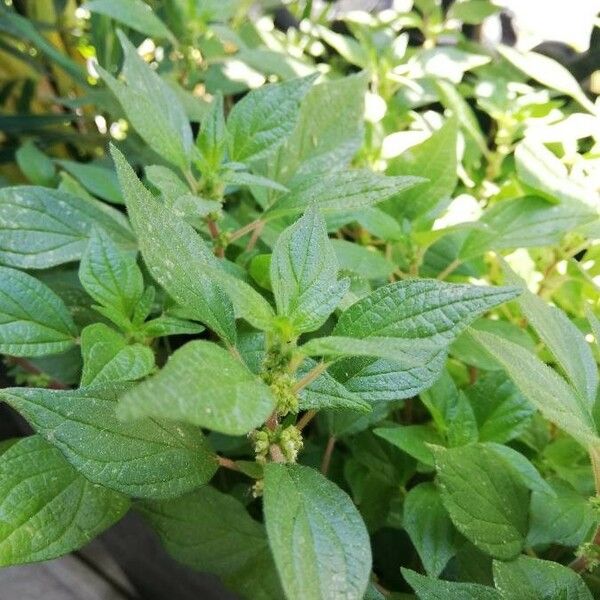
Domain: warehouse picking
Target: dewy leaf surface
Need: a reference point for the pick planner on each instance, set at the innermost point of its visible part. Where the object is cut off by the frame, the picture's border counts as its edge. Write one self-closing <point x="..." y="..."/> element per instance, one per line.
<point x="318" y="539"/>
<point x="486" y="499"/>
<point x="211" y="531"/>
<point x="175" y="254"/>
<point x="260" y="122"/>
<point x="41" y="227"/>
<point x="304" y="274"/>
<point x="48" y="509"/>
<point x="146" y="459"/>
<point x="34" y="321"/>
<point x="204" y="385"/>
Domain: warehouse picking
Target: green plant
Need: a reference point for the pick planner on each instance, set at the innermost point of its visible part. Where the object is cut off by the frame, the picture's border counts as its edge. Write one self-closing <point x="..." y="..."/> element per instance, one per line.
<point x="255" y="284"/>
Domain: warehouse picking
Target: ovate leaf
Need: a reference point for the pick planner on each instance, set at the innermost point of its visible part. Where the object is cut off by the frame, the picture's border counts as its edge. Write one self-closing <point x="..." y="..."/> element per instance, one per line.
<point x="134" y="13"/>
<point x="108" y="358"/>
<point x="304" y="274"/>
<point x="175" y="254"/>
<point x="523" y="223"/>
<point x="110" y="275"/>
<point x="204" y="385"/>
<point x="41" y="228"/>
<point x="48" y="509"/>
<point x="318" y="539"/>
<point x="146" y="459"/>
<point x="212" y="532"/>
<point x="260" y="122"/>
<point x="152" y="107"/>
<point x="533" y="579"/>
<point x="420" y="309"/>
<point x="435" y="161"/>
<point x="100" y="181"/>
<point x="340" y="192"/>
<point x="548" y="72"/>
<point x="562" y="337"/>
<point x="486" y="499"/>
<point x="543" y="387"/>
<point x="34" y="321"/>
<point x="429" y="527"/>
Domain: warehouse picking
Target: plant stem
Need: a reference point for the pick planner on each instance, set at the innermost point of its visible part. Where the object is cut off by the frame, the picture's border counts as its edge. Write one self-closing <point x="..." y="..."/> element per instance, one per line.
<point x="327" y="455"/>
<point x="53" y="384"/>
<point x="227" y="463"/>
<point x="306" y="418"/>
<point x="242" y="231"/>
<point x="310" y="376"/>
<point x="449" y="269"/>
<point x="255" y="235"/>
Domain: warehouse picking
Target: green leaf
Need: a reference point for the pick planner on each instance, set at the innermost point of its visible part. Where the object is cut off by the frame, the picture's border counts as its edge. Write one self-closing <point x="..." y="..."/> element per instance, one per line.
<point x="473" y="12"/>
<point x="34" y="321"/>
<point x="204" y="385"/>
<point x="304" y="274"/>
<point x="35" y="165"/>
<point x="415" y="440"/>
<point x="436" y="589"/>
<point x="420" y="310"/>
<point x="523" y="223"/>
<point x="403" y="351"/>
<point x="548" y="72"/>
<point x="465" y="347"/>
<point x="41" y="228"/>
<point x="435" y="160"/>
<point x="167" y="325"/>
<point x="329" y="130"/>
<point x="345" y="45"/>
<point x="502" y="412"/>
<point x="530" y="476"/>
<point x="47" y="508"/>
<point x="340" y="192"/>
<point x="261" y="121"/>
<point x="429" y="527"/>
<point x="451" y="98"/>
<point x="212" y="532"/>
<point x="564" y="517"/>
<point x="486" y="499"/>
<point x="100" y="181"/>
<point x="146" y="459"/>
<point x="212" y="139"/>
<point x="533" y="579"/>
<point x="562" y="337"/>
<point x="136" y="14"/>
<point x="543" y="387"/>
<point x="110" y="275"/>
<point x="318" y="539"/>
<point x="380" y="380"/>
<point x="326" y="392"/>
<point x="108" y="358"/>
<point x="152" y="107"/>
<point x="175" y="254"/>
<point x="538" y="168"/>
<point x="364" y="261"/>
